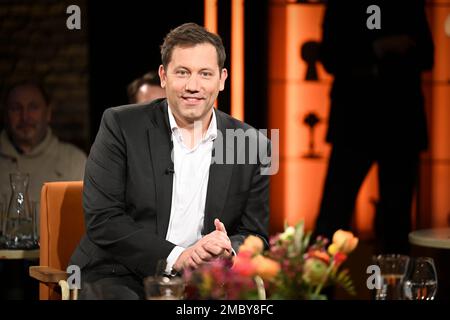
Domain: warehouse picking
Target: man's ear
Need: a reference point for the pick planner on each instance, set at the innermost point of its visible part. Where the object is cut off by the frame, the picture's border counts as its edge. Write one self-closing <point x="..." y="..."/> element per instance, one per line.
<point x="223" y="77"/>
<point x="162" y="76"/>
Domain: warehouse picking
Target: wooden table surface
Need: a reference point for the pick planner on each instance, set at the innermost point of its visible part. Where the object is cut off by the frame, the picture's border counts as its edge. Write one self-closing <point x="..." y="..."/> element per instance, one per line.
<point x="19" y="254"/>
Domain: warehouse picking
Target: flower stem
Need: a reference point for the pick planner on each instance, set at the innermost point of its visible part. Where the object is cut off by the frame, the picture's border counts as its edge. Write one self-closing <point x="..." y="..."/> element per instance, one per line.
<point x="322" y="283"/>
<point x="260" y="287"/>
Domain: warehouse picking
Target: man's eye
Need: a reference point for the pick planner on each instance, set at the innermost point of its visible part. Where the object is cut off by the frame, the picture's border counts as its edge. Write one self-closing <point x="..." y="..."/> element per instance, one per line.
<point x="206" y="74"/>
<point x="181" y="72"/>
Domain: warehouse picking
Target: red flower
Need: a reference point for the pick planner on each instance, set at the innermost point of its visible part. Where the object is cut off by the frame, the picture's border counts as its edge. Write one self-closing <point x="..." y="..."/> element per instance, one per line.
<point x="243" y="264"/>
<point x="339" y="258"/>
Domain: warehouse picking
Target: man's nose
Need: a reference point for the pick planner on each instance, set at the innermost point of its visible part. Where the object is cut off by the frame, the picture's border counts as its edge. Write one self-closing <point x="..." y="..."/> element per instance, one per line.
<point x="23" y="114"/>
<point x="192" y="84"/>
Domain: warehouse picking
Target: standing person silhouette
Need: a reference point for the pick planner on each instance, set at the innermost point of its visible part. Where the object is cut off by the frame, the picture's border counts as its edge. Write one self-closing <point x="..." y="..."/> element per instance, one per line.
<point x="377" y="112"/>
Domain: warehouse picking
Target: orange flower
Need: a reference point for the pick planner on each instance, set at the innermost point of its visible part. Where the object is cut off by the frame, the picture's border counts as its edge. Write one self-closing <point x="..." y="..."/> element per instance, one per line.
<point x="266" y="268"/>
<point x="252" y="244"/>
<point x="343" y="241"/>
<point x="322" y="255"/>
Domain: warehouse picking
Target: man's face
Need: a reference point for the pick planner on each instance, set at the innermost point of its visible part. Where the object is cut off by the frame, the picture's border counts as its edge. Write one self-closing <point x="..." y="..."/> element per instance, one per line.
<point x="147" y="93"/>
<point x="192" y="82"/>
<point x="27" y="115"/>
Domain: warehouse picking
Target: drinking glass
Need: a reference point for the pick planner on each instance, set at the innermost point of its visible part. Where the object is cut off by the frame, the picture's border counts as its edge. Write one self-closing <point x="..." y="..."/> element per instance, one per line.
<point x="164" y="288"/>
<point x="421" y="283"/>
<point x="393" y="269"/>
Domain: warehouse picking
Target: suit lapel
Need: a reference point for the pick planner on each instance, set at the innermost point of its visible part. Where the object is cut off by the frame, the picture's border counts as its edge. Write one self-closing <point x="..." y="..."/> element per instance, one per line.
<point x="219" y="180"/>
<point x="160" y="148"/>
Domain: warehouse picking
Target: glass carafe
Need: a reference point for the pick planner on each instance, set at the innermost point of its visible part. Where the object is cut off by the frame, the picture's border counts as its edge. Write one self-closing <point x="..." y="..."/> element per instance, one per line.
<point x="19" y="224"/>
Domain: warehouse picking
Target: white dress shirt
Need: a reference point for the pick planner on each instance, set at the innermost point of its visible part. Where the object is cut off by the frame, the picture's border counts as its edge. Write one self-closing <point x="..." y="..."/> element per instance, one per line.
<point x="190" y="183"/>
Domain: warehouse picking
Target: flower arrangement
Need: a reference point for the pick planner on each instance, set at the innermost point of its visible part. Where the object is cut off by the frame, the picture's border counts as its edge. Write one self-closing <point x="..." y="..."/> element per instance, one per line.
<point x="291" y="269"/>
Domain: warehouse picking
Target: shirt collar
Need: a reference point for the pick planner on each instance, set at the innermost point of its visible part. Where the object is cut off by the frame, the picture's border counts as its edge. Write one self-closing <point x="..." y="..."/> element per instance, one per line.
<point x="210" y="134"/>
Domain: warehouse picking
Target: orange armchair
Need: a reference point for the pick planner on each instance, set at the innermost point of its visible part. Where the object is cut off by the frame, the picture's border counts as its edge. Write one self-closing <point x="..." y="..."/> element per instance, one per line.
<point x="61" y="228"/>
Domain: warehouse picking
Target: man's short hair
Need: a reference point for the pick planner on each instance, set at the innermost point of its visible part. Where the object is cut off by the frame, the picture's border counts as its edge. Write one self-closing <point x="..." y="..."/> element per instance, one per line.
<point x="28" y="83"/>
<point x="188" y="35"/>
<point x="150" y="78"/>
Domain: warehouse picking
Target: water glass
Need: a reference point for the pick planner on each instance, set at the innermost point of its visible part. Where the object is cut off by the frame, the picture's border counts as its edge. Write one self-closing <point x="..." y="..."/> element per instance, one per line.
<point x="393" y="269"/>
<point x="164" y="288"/>
<point x="421" y="283"/>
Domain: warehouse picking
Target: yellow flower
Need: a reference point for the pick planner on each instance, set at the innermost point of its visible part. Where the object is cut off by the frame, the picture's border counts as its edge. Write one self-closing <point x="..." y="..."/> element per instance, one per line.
<point x="266" y="268"/>
<point x="343" y="241"/>
<point x="252" y="244"/>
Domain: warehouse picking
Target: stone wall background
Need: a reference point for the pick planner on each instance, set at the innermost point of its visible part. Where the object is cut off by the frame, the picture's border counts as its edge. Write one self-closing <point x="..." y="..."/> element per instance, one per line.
<point x="35" y="43"/>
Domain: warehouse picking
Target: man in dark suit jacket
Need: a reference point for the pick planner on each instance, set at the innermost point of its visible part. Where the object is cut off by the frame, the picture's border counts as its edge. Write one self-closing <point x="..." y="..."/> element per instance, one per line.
<point x="142" y="204"/>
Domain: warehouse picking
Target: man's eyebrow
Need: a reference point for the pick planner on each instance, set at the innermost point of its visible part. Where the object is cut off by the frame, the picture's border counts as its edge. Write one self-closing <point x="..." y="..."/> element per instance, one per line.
<point x="176" y="68"/>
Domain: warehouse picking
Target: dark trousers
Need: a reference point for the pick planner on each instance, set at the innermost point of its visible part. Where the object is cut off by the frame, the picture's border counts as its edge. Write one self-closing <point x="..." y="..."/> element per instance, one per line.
<point x="397" y="176"/>
<point x="111" y="287"/>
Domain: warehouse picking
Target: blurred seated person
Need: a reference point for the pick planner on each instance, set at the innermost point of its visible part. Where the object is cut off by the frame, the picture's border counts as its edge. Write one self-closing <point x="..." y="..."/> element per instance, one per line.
<point x="28" y="145"/>
<point x="145" y="89"/>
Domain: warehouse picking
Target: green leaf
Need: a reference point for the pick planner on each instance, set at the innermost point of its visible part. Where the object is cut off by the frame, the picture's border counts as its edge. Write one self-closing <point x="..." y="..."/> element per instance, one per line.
<point x="344" y="280"/>
<point x="306" y="239"/>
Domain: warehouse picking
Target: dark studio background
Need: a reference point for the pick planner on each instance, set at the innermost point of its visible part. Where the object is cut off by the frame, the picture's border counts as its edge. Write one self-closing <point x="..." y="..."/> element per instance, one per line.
<point x="124" y="40"/>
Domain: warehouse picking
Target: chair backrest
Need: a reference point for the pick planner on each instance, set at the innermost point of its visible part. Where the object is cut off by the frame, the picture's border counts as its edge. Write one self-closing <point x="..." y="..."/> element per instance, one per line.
<point x="61" y="226"/>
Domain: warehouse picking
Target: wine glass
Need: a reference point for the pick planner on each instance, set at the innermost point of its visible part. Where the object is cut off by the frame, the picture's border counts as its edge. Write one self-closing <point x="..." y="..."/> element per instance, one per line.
<point x="421" y="284"/>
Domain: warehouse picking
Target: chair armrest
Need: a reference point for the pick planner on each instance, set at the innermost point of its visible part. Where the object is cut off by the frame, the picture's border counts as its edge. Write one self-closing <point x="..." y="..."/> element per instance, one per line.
<point x="47" y="274"/>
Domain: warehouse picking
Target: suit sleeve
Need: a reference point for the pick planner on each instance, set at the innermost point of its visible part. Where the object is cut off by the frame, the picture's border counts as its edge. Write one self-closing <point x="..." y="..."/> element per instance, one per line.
<point x="255" y="217"/>
<point x="107" y="223"/>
